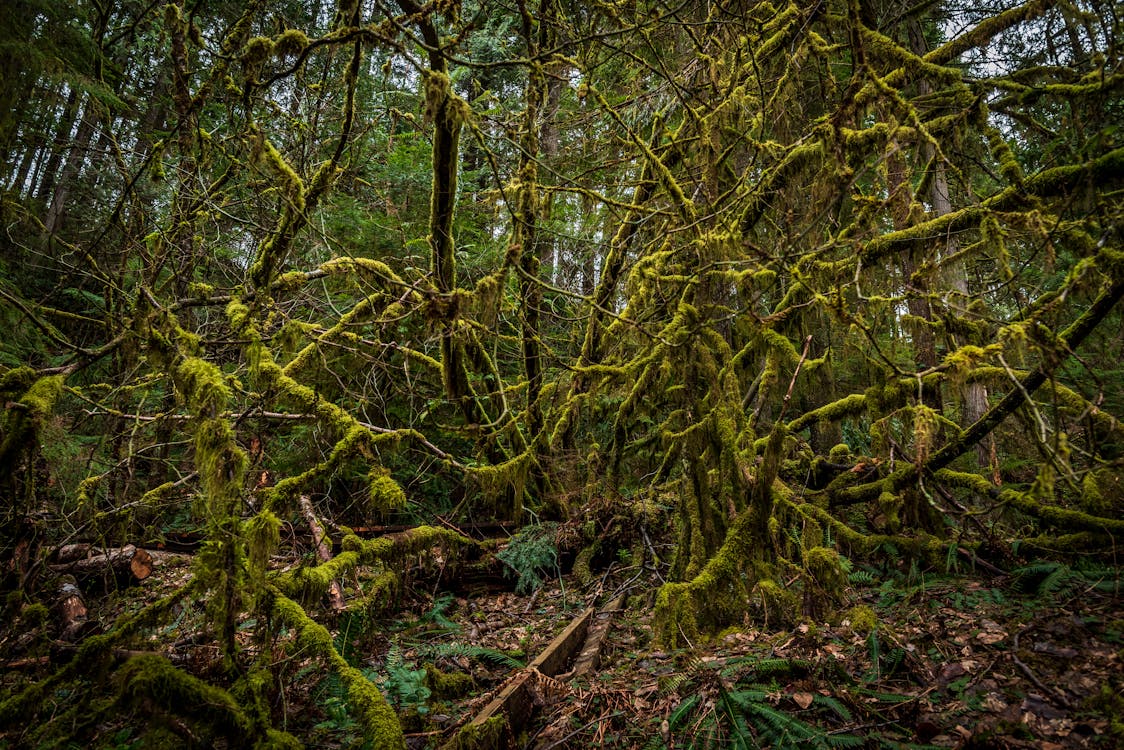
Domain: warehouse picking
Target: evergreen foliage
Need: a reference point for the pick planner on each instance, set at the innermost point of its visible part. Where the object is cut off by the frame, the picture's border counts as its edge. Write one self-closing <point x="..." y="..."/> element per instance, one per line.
<point x="830" y="281"/>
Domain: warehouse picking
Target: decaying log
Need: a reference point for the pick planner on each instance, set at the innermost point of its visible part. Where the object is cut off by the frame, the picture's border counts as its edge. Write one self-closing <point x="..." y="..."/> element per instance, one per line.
<point x="590" y="657"/>
<point x="71" y="609"/>
<point x="516" y="701"/>
<point x="323" y="546"/>
<point x="83" y="561"/>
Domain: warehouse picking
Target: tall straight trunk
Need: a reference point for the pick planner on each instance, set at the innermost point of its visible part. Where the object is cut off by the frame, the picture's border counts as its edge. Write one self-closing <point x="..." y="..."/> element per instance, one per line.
<point x="973" y="396"/>
<point x="56" y="212"/>
<point x="49" y="174"/>
<point x="17" y="80"/>
<point x="34" y="144"/>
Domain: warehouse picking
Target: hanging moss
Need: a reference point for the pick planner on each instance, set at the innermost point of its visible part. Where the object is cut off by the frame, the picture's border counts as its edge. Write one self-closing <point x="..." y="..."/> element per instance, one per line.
<point x="203" y="386"/>
<point x="263" y="535"/>
<point x="385" y="494"/>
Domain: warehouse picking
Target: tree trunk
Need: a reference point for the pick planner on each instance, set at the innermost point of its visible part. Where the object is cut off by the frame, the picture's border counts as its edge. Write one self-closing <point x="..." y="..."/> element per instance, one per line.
<point x="56" y="212"/>
<point x="49" y="173"/>
<point x="86" y="561"/>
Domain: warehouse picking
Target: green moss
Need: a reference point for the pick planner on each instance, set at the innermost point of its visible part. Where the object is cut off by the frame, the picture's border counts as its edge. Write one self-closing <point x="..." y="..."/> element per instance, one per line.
<point x="16" y="381"/>
<point x="34" y="615"/>
<point x="492" y="734"/>
<point x="290" y="42"/>
<point x="776" y="606"/>
<point x="385" y="494"/>
<point x="379" y="724"/>
<point x="202" y="385"/>
<point x="150" y="681"/>
<point x="581" y="568"/>
<point x="447" y="684"/>
<point x="863" y="619"/>
<point x="40" y="398"/>
<point x="263" y="535"/>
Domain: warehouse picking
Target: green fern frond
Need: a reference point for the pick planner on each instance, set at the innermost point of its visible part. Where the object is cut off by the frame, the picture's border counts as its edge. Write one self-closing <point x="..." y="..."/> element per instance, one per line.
<point x="682" y="710"/>
<point x="455" y="650"/>
<point x="394" y="658"/>
<point x="844" y="740"/>
<point x="861" y="578"/>
<point x="832" y="704"/>
<point x="779" y="728"/>
<point x="672" y="683"/>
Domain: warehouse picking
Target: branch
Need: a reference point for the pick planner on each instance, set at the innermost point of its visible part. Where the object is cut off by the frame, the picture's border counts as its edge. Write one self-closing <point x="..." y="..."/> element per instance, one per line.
<point x="1069" y="340"/>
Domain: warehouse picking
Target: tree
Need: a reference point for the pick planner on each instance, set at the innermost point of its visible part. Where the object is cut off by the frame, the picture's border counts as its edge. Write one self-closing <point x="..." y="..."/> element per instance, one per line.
<point x="446" y="260"/>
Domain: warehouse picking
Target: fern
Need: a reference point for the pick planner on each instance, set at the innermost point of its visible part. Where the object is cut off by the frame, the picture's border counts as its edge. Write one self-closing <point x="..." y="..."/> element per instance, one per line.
<point x="456" y="650"/>
<point x="861" y="578"/>
<point x="673" y="682"/>
<point x="436" y="614"/>
<point x="681" y="711"/>
<point x="1043" y="577"/>
<point x="833" y="705"/>
<point x="875" y="647"/>
<point x="529" y="555"/>
<point x="403" y="684"/>
<point x="763" y="667"/>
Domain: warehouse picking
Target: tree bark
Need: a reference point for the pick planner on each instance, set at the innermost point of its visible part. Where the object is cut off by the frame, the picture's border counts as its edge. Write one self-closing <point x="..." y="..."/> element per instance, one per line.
<point x="85" y="561"/>
<point x="323" y="551"/>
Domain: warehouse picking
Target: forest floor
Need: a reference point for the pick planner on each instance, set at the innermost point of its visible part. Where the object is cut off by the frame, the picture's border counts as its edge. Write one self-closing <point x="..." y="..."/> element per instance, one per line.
<point x="928" y="660"/>
<point x="951" y="662"/>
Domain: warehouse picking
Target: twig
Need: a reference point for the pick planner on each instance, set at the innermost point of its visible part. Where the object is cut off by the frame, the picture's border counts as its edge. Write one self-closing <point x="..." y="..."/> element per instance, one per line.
<point x="792" y="383"/>
<point x="1056" y="695"/>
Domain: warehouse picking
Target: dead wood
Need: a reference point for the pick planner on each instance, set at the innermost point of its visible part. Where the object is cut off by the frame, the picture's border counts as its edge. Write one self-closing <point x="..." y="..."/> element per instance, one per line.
<point x="516" y="700"/>
<point x="590" y="657"/>
<point x="71" y="609"/>
<point x="85" y="561"/>
<point x="323" y="547"/>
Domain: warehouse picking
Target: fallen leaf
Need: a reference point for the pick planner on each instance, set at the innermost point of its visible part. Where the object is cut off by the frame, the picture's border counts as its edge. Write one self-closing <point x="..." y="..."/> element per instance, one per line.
<point x="802" y="699"/>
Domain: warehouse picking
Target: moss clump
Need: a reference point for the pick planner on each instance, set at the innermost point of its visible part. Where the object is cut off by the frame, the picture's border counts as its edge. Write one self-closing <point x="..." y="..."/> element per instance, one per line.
<point x="290" y="42"/>
<point x="385" y="494"/>
<point x="582" y="562"/>
<point x="34" y="615"/>
<point x="489" y="735"/>
<point x="825" y="568"/>
<point x="863" y="619"/>
<point x="777" y="605"/>
<point x="16" y="381"/>
<point x="447" y="684"/>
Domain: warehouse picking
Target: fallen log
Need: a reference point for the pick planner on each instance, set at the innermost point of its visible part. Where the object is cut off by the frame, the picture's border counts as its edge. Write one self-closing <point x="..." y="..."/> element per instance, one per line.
<point x="323" y="547"/>
<point x="516" y="701"/>
<point x="590" y="657"/>
<point x="85" y="561"/>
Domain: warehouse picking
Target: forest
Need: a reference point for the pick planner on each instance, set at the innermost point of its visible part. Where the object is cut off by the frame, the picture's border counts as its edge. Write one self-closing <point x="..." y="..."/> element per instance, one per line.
<point x="546" y="374"/>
